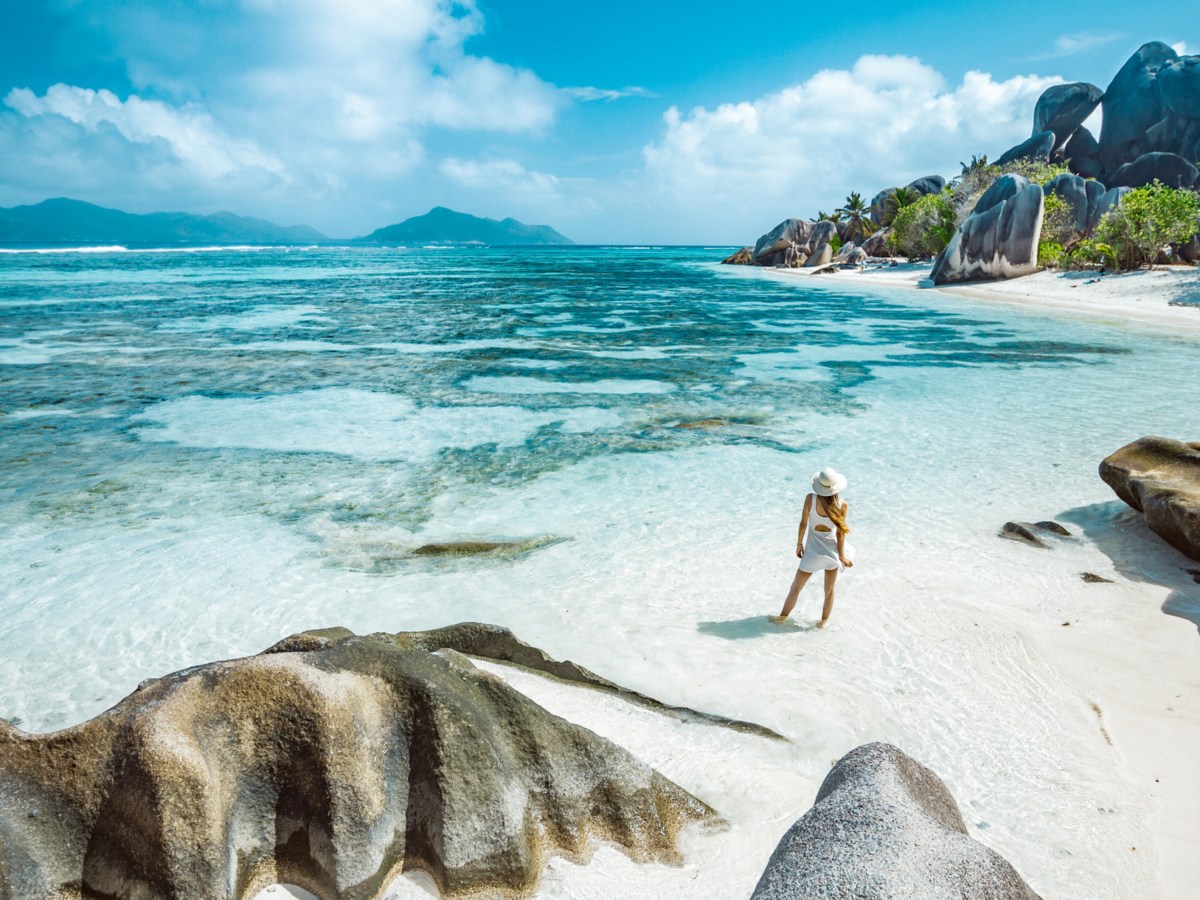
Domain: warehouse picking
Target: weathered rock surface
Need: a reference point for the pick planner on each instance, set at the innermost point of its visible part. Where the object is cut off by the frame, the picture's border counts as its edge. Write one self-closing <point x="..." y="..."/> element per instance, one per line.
<point x="1169" y="168"/>
<point x="1179" y="85"/>
<point x="821" y="256"/>
<point x="332" y="762"/>
<point x="1082" y="198"/>
<point x="1034" y="533"/>
<point x="877" y="246"/>
<point x="1133" y="104"/>
<point x="1082" y="153"/>
<point x="885" y="826"/>
<point x="1160" y="478"/>
<point x="1000" y="237"/>
<point x="792" y="242"/>
<point x="742" y="258"/>
<point x="1108" y="201"/>
<point x="1037" y="147"/>
<point x="1063" y="109"/>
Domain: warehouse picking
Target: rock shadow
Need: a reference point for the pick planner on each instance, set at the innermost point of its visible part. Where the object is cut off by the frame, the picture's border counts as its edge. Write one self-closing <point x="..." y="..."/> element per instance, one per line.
<point x="751" y="627"/>
<point x="1140" y="555"/>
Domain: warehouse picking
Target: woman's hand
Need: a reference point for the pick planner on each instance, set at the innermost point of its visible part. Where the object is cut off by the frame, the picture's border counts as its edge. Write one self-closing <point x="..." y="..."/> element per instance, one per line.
<point x="800" y="551"/>
<point x="847" y="563"/>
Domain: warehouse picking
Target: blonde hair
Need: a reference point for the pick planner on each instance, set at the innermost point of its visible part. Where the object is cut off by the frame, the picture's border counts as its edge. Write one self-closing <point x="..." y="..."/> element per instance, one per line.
<point x="835" y="512"/>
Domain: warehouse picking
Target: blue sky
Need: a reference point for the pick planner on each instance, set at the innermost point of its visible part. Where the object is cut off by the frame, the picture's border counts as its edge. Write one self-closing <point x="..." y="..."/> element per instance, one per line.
<point x="624" y="122"/>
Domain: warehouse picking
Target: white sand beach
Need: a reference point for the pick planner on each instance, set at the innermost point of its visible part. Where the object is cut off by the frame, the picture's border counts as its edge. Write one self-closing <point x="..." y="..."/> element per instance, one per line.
<point x="1167" y="296"/>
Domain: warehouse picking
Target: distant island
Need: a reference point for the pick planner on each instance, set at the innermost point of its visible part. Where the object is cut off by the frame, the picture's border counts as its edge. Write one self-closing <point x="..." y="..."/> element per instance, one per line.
<point x="445" y="226"/>
<point x="64" y="221"/>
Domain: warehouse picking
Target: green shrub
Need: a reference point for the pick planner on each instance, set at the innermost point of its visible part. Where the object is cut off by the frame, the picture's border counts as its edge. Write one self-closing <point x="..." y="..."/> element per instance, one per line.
<point x="1088" y="252"/>
<point x="1147" y="220"/>
<point x="924" y="227"/>
<point x="1038" y="171"/>
<point x="1058" y="224"/>
<point x="1051" y="254"/>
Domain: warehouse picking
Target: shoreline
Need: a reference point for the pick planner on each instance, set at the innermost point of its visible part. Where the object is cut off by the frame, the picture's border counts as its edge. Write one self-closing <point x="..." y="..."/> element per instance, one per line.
<point x="1144" y="296"/>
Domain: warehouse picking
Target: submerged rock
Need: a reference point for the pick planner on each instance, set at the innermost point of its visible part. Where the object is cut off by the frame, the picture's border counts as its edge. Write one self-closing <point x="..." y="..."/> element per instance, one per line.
<point x="476" y="548"/>
<point x="1160" y="478"/>
<point x="885" y="826"/>
<point x="333" y="762"/>
<point x="1033" y="534"/>
<point x="1000" y="237"/>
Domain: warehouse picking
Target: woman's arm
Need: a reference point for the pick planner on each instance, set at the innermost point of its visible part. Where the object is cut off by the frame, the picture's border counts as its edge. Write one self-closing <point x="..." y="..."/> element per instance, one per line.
<point x="841" y="540"/>
<point x="803" y="526"/>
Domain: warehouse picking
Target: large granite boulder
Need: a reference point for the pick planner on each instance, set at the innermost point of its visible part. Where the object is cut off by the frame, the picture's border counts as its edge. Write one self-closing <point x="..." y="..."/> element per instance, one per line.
<point x="877" y="244"/>
<point x="1107" y="202"/>
<point x="792" y="242"/>
<point x="1133" y="104"/>
<point x="332" y="762"/>
<point x="1082" y="153"/>
<point x="1063" y="108"/>
<point x="1081" y="197"/>
<point x="740" y="258"/>
<point x="885" y="826"/>
<point x="822" y="255"/>
<point x="1160" y="478"/>
<point x="1038" y="147"/>
<point x="1179" y="85"/>
<point x="1172" y="170"/>
<point x="1000" y="237"/>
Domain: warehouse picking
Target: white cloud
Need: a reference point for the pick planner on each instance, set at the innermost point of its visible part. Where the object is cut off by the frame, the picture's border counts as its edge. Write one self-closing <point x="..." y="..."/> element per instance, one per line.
<point x="883" y="122"/>
<point x="505" y="175"/>
<point x="1181" y="48"/>
<point x="588" y="94"/>
<point x="191" y="134"/>
<point x="1075" y="43"/>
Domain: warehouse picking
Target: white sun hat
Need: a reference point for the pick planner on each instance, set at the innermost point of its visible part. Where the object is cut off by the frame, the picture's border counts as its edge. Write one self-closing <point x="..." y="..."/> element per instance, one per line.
<point x="828" y="482"/>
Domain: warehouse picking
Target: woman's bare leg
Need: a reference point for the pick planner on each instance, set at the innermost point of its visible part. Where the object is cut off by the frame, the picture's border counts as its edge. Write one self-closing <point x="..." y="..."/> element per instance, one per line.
<point x="798" y="583"/>
<point x="830" y="580"/>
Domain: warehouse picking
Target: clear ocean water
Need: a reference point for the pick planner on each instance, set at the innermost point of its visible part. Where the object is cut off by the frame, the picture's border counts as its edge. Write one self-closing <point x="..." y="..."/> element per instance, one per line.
<point x="201" y="452"/>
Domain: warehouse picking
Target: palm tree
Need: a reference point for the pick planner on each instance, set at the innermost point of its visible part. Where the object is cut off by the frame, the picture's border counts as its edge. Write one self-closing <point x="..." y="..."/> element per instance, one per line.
<point x="896" y="200"/>
<point x="834" y="217"/>
<point x="859" y="224"/>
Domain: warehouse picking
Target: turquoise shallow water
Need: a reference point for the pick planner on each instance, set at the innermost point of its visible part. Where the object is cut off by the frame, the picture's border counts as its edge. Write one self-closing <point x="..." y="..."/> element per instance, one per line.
<point x="201" y="452"/>
<point x="266" y="376"/>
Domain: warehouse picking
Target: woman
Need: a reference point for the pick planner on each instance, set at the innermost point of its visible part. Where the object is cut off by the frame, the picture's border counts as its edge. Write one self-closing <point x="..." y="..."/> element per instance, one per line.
<point x="821" y="542"/>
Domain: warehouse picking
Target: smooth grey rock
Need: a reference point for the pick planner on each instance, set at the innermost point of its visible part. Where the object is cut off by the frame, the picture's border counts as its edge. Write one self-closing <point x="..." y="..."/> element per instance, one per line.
<point x="329" y="761"/>
<point x="823" y="232"/>
<point x="1132" y="104"/>
<point x="1179" y="84"/>
<point x="1082" y="144"/>
<point x="876" y="245"/>
<point x="1107" y="202"/>
<point x="1160" y="477"/>
<point x="885" y="826"/>
<point x="1172" y="170"/>
<point x="1038" y="147"/>
<point x="821" y="256"/>
<point x="1000" y="237"/>
<point x="1063" y="109"/>
<point x="1074" y="191"/>
<point x="851" y="256"/>
<point x="928" y="184"/>
<point x="1023" y="532"/>
<point x="787" y="233"/>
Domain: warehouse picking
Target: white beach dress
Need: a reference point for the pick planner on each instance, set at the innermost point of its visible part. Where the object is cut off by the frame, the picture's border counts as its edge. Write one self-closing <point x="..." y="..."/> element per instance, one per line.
<point x="820" y="547"/>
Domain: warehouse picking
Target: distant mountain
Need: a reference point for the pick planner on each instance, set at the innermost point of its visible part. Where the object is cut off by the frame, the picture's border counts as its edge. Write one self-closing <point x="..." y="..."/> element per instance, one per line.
<point x="445" y="226"/>
<point x="63" y="221"/>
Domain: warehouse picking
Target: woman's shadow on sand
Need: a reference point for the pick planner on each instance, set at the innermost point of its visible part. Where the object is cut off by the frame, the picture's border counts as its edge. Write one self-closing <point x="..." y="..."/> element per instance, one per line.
<point x="752" y="627"/>
<point x="1139" y="554"/>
